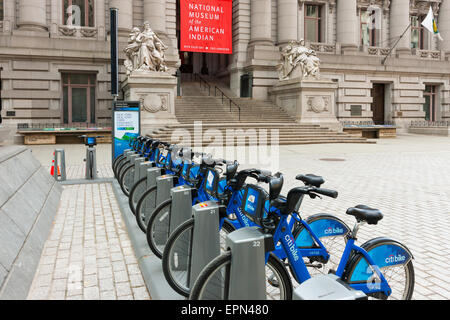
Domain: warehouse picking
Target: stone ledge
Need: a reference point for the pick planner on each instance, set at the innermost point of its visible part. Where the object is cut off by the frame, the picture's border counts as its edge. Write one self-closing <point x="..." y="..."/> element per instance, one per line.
<point x="29" y="202"/>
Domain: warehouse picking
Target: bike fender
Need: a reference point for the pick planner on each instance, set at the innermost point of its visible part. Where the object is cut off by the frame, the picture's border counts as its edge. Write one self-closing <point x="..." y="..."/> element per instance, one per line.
<point x="323" y="225"/>
<point x="383" y="251"/>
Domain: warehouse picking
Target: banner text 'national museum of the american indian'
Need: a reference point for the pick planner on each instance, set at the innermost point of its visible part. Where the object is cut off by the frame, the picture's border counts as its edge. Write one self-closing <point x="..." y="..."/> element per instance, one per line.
<point x="206" y="26"/>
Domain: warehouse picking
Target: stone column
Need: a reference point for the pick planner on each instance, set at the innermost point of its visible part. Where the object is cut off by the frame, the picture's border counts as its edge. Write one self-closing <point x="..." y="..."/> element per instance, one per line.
<point x="32" y="15"/>
<point x="444" y="26"/>
<point x="347" y="25"/>
<point x="100" y="19"/>
<point x="399" y="21"/>
<point x="8" y="15"/>
<point x="155" y="14"/>
<point x="125" y="14"/>
<point x="260" y="18"/>
<point x="287" y="21"/>
<point x="262" y="56"/>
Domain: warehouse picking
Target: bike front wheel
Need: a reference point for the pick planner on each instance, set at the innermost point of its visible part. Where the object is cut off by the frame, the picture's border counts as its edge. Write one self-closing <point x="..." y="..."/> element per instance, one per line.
<point x="177" y="255"/>
<point x="126" y="179"/>
<point x="145" y="207"/>
<point x="136" y="193"/>
<point x="212" y="282"/>
<point x="158" y="228"/>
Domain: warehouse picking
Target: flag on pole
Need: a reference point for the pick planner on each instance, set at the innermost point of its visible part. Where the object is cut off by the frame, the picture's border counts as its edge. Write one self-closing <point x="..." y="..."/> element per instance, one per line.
<point x="430" y="24"/>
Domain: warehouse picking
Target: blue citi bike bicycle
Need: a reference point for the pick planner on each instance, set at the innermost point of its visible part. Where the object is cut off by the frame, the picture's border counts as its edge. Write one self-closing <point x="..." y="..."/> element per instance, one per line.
<point x="330" y="230"/>
<point x="382" y="268"/>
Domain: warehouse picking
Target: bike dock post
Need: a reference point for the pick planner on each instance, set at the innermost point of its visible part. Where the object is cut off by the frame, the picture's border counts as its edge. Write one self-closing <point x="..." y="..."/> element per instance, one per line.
<point x="91" y="163"/>
<point x="149" y="205"/>
<point x="205" y="238"/>
<point x="59" y="165"/>
<point x="137" y="163"/>
<point x="142" y="169"/>
<point x="181" y="209"/>
<point x="247" y="273"/>
<point x="163" y="186"/>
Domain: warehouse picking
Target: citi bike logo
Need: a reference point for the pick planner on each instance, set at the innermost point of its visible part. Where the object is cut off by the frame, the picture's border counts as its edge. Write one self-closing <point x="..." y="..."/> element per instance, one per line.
<point x="292" y="247"/>
<point x="243" y="217"/>
<point x="393" y="259"/>
<point x="332" y="230"/>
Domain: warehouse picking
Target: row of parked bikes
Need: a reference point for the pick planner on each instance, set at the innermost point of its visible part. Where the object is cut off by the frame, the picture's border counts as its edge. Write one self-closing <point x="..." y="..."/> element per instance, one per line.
<point x="320" y="244"/>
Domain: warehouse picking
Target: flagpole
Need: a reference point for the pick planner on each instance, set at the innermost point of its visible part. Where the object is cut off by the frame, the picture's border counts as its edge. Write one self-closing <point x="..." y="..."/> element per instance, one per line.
<point x="392" y="48"/>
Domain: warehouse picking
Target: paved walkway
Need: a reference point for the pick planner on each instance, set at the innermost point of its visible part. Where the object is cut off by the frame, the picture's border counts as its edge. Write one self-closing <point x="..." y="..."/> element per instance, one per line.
<point x="88" y="255"/>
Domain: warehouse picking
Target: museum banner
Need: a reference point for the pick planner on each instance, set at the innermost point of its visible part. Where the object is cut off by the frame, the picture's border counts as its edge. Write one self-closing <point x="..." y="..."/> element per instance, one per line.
<point x="206" y="26"/>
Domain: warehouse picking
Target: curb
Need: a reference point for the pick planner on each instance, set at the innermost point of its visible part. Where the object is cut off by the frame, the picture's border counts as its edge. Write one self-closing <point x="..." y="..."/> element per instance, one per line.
<point x="149" y="264"/>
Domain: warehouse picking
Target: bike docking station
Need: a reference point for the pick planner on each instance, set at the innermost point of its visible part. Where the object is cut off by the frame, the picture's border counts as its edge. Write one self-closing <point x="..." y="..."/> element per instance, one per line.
<point x="205" y="238"/>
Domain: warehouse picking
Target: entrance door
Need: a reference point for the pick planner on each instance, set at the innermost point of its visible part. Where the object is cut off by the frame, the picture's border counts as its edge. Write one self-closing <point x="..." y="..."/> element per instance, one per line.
<point x="430" y="103"/>
<point x="378" y="102"/>
<point x="78" y="98"/>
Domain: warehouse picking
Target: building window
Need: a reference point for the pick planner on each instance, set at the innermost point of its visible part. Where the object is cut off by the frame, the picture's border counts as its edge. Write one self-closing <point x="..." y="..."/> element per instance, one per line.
<point x="417" y="32"/>
<point x="430" y="102"/>
<point x="78" y="13"/>
<point x="1" y="10"/>
<point x="313" y="23"/>
<point x="78" y="98"/>
<point x="368" y="30"/>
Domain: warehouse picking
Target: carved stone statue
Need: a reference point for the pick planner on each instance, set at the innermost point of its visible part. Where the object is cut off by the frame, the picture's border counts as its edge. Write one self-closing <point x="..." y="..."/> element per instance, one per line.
<point x="298" y="61"/>
<point x="145" y="51"/>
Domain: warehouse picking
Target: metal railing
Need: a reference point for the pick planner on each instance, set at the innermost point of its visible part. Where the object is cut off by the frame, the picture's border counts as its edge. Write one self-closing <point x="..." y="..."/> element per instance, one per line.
<point x="428" y="124"/>
<point x="225" y="99"/>
<point x="366" y="123"/>
<point x="231" y="102"/>
<point x="202" y="82"/>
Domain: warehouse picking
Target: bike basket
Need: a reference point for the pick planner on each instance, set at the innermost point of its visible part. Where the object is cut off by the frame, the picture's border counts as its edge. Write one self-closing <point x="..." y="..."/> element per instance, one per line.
<point x="212" y="182"/>
<point x="253" y="202"/>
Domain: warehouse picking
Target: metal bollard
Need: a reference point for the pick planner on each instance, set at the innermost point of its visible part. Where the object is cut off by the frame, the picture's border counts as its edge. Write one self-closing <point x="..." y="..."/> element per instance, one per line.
<point x="59" y="162"/>
<point x="205" y="238"/>
<point x="247" y="273"/>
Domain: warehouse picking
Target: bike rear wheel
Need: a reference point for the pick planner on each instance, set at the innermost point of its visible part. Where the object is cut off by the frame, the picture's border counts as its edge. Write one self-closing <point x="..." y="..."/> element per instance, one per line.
<point x="158" y="228"/>
<point x="177" y="255"/>
<point x="212" y="284"/>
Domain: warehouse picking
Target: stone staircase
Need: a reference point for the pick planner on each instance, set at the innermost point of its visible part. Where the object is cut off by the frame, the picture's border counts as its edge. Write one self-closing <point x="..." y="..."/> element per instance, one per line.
<point x="260" y="121"/>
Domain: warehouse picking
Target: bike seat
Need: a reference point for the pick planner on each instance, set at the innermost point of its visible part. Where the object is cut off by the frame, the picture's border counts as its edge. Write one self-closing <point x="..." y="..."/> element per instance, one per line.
<point x="365" y="213"/>
<point x="311" y="180"/>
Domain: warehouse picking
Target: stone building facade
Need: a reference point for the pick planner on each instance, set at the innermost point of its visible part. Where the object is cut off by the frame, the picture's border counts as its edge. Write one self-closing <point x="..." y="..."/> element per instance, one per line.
<point x="56" y="63"/>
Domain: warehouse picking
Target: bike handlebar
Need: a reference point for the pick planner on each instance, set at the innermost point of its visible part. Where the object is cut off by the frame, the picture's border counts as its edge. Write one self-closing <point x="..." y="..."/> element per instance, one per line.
<point x="326" y="192"/>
